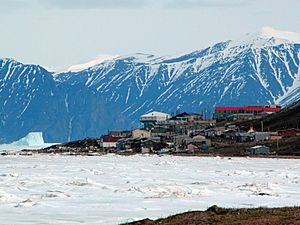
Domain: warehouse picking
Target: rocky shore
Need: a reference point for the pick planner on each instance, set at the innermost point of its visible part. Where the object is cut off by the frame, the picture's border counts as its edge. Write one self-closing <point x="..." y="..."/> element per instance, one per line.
<point x="221" y="216"/>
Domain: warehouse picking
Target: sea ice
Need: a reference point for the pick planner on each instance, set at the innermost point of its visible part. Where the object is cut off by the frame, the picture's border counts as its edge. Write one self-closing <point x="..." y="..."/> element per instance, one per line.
<point x="53" y="189"/>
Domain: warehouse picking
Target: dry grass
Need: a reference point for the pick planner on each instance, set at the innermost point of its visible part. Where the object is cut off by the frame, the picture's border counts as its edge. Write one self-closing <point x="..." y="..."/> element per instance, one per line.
<point x="221" y="216"/>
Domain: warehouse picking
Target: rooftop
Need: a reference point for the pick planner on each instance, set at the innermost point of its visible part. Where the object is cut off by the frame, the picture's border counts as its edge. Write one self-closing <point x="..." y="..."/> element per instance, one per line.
<point x="157" y="114"/>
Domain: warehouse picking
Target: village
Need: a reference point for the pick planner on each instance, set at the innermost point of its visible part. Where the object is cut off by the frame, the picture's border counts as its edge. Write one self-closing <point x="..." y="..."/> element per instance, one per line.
<point x="190" y="134"/>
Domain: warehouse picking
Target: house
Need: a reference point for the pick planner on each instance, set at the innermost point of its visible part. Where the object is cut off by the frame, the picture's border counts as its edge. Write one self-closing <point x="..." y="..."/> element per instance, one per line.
<point x="183" y="141"/>
<point x="186" y="117"/>
<point x="130" y="143"/>
<point x="141" y="144"/>
<point x="109" y="141"/>
<point x="209" y="132"/>
<point x="275" y="136"/>
<point x="140" y="133"/>
<point x="119" y="133"/>
<point x="240" y="116"/>
<point x="145" y="150"/>
<point x="262" y="136"/>
<point x="219" y="130"/>
<point x="293" y="132"/>
<point x="164" y="151"/>
<point x="199" y="139"/>
<point x="258" y="150"/>
<point x="180" y="140"/>
<point x="244" y="137"/>
<point x="158" y="131"/>
<point x="183" y="128"/>
<point x="154" y="118"/>
<point x="201" y="142"/>
<point x="192" y="148"/>
<point x="229" y="134"/>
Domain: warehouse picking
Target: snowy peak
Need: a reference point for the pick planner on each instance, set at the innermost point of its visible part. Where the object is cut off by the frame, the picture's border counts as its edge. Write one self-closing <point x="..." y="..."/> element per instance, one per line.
<point x="269" y="33"/>
<point x="98" y="60"/>
<point x="4" y="61"/>
<point x="266" y="37"/>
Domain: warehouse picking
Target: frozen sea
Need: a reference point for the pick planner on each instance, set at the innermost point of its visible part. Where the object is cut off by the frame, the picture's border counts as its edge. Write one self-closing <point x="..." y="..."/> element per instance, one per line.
<point x="112" y="189"/>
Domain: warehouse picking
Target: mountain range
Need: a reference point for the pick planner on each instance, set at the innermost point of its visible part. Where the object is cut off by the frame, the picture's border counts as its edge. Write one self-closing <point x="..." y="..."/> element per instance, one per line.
<point x="89" y="99"/>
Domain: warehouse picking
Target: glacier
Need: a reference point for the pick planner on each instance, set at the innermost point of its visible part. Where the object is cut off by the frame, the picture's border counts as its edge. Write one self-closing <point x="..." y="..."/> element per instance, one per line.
<point x="113" y="189"/>
<point x="257" y="68"/>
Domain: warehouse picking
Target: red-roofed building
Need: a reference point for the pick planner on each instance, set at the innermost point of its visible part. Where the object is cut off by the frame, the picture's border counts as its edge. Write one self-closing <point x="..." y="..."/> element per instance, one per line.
<point x="109" y="141"/>
<point x="244" y="112"/>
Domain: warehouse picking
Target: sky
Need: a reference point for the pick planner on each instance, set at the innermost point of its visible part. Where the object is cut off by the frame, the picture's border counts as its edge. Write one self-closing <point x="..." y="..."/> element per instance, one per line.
<point x="60" y="33"/>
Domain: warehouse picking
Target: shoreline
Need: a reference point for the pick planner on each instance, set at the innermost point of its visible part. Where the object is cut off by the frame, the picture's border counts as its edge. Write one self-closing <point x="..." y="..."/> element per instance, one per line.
<point x="32" y="152"/>
<point x="222" y="216"/>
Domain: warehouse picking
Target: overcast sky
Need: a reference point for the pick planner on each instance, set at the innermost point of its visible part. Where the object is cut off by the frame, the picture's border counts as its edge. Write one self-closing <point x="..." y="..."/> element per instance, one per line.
<point x="59" y="33"/>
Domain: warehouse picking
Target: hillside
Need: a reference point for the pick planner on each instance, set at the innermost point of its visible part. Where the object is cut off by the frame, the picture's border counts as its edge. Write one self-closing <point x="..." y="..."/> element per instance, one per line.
<point x="287" y="118"/>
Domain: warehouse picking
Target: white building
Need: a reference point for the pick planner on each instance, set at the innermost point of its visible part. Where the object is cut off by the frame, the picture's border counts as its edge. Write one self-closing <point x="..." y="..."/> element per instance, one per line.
<point x="153" y="118"/>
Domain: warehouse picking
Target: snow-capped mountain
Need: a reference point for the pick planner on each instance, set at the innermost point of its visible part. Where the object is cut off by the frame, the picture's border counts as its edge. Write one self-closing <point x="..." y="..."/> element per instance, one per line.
<point x="257" y="68"/>
<point x="29" y="100"/>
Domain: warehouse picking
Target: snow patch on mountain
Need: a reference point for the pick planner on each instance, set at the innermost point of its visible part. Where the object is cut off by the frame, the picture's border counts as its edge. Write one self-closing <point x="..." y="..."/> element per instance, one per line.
<point x="98" y="60"/>
<point x="293" y="92"/>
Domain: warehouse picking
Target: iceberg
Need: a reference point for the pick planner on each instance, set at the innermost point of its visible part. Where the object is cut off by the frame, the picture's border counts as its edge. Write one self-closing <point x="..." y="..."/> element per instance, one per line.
<point x="31" y="139"/>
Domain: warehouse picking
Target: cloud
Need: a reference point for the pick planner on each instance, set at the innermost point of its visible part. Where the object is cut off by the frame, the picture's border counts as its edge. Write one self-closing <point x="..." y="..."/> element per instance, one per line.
<point x="203" y="3"/>
<point x="11" y="5"/>
<point x="94" y="4"/>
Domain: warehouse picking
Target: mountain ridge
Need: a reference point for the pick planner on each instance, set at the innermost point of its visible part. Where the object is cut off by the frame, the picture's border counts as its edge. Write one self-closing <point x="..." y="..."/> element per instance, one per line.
<point x="113" y="94"/>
